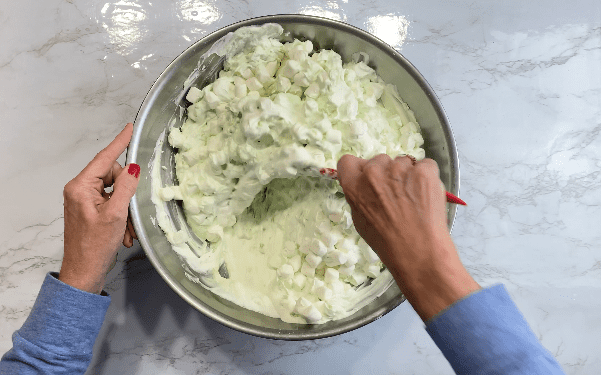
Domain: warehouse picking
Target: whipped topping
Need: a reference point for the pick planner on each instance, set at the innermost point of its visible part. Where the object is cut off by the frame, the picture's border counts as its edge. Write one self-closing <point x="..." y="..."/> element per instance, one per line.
<point x="247" y="166"/>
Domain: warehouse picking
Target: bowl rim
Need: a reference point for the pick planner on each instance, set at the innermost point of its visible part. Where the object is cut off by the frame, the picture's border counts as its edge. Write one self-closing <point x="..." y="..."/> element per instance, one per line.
<point x="132" y="153"/>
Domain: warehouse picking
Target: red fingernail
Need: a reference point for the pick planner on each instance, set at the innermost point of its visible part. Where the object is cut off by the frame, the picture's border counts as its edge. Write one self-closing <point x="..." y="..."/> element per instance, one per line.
<point x="134" y="170"/>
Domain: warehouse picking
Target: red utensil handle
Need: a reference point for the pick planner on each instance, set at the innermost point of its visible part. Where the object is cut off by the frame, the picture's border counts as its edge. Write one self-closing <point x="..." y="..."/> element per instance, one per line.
<point x="455" y="199"/>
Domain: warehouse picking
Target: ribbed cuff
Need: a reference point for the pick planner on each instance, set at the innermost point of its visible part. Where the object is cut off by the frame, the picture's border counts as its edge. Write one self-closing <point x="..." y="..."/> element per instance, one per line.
<point x="65" y="320"/>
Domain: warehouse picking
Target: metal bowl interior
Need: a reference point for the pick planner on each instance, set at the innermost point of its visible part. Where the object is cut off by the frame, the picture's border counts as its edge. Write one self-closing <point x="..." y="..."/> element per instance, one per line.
<point x="164" y="102"/>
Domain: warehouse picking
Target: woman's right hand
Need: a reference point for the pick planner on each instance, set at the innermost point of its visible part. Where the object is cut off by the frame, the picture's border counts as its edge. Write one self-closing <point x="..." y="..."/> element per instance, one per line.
<point x="398" y="207"/>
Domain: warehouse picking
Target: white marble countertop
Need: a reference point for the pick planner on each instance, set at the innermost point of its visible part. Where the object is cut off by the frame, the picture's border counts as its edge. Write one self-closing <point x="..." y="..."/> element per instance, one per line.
<point x="521" y="86"/>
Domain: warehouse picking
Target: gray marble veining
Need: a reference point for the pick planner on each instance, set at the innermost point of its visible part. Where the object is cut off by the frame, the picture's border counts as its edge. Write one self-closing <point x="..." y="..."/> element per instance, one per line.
<point x="521" y="86"/>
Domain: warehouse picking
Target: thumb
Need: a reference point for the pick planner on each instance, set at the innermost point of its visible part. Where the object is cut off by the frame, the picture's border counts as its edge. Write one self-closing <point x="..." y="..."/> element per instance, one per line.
<point x="124" y="189"/>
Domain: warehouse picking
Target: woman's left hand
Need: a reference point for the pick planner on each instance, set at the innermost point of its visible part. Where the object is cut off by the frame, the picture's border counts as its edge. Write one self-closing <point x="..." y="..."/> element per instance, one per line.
<point x="96" y="222"/>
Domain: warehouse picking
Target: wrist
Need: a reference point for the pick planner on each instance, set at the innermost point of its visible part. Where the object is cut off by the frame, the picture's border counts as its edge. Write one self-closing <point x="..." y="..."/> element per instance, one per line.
<point x="435" y="281"/>
<point x="89" y="283"/>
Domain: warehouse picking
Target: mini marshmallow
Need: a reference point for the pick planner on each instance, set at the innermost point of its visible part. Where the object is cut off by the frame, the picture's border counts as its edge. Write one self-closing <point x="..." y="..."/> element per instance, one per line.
<point x="301" y="80"/>
<point x="337" y="286"/>
<point x="290" y="68"/>
<point x="352" y="259"/>
<point x="312" y="260"/>
<point x="283" y="84"/>
<point x="335" y="258"/>
<point x="285" y="271"/>
<point x="247" y="73"/>
<point x="320" y="306"/>
<point x="295" y="262"/>
<point x="194" y="95"/>
<point x="262" y="74"/>
<point x="307" y="270"/>
<point x="312" y="91"/>
<point x="330" y="239"/>
<point x="176" y="138"/>
<point x="357" y="278"/>
<point x="241" y="90"/>
<point x="346" y="270"/>
<point x="253" y="84"/>
<point x="312" y="315"/>
<point x="372" y="270"/>
<point x="311" y="106"/>
<point x="316" y="284"/>
<point x="239" y="80"/>
<point x="323" y="79"/>
<point x="218" y="159"/>
<point x="330" y="275"/>
<point x="295" y="90"/>
<point x="299" y="280"/>
<point x="212" y="99"/>
<point x="192" y="207"/>
<point x="334" y="136"/>
<point x="348" y="245"/>
<point x="318" y="248"/>
<point x="166" y="193"/>
<point x="301" y="305"/>
<point x="224" y="89"/>
<point x="347" y="220"/>
<point x="369" y="255"/>
<point x="272" y="67"/>
<point x="324" y="293"/>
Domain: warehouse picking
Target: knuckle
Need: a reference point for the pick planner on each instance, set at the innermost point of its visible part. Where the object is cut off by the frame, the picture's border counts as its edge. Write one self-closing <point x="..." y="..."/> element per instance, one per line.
<point x="371" y="169"/>
<point x="113" y="216"/>
<point x="381" y="158"/>
<point x="102" y="156"/>
<point x="71" y="189"/>
<point x="429" y="166"/>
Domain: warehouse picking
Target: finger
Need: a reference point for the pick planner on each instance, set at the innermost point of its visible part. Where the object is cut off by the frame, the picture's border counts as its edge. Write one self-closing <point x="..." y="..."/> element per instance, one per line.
<point x="127" y="240"/>
<point x="113" y="173"/>
<point x="380" y="160"/>
<point x="349" y="169"/>
<point x="430" y="164"/>
<point x="399" y="167"/>
<point x="376" y="168"/>
<point x="130" y="227"/>
<point x="404" y="161"/>
<point x="103" y="161"/>
<point x="124" y="189"/>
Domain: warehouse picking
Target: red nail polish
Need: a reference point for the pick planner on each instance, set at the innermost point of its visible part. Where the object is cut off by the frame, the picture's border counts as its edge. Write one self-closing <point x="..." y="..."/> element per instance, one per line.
<point x="134" y="170"/>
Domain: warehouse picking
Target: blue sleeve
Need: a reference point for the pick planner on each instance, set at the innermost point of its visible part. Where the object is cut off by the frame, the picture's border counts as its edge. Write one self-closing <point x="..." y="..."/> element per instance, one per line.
<point x="485" y="333"/>
<point x="59" y="334"/>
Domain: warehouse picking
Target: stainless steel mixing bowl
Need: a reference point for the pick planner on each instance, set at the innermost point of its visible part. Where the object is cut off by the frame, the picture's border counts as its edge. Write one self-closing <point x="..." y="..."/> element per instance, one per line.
<point x="163" y="104"/>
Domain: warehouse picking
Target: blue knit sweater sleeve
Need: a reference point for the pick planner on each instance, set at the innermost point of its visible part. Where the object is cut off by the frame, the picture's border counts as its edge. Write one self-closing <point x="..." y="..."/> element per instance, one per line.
<point x="485" y="333"/>
<point x="59" y="334"/>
